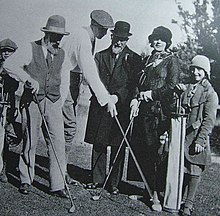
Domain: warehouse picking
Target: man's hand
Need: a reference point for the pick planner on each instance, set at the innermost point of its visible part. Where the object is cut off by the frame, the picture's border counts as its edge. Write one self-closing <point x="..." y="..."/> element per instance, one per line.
<point x="134" y="108"/>
<point x="113" y="99"/>
<point x="146" y="95"/>
<point x="33" y="85"/>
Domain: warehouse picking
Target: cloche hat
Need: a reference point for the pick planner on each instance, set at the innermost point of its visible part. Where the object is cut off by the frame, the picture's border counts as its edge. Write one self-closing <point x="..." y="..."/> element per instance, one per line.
<point x="162" y="33"/>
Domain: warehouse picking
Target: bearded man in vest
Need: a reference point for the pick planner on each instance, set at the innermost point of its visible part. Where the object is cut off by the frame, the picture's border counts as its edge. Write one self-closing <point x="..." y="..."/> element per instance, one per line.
<point x="43" y="64"/>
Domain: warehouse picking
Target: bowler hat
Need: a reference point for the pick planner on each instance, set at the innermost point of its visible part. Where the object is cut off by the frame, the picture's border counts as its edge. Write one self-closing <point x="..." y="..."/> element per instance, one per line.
<point x="9" y="44"/>
<point x="55" y="24"/>
<point x="121" y="29"/>
<point x="102" y="18"/>
<point x="162" y="33"/>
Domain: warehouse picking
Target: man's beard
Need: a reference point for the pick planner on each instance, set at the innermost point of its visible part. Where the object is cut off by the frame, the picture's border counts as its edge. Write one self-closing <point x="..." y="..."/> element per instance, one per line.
<point x="53" y="48"/>
<point x="116" y="49"/>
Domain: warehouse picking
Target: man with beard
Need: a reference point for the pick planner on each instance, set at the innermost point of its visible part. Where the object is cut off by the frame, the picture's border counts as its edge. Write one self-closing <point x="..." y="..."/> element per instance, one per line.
<point x="117" y="66"/>
<point x="43" y="64"/>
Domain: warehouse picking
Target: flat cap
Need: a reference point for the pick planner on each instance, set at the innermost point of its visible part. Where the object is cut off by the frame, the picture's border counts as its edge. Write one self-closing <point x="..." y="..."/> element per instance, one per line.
<point x="102" y="18"/>
<point x="8" y="43"/>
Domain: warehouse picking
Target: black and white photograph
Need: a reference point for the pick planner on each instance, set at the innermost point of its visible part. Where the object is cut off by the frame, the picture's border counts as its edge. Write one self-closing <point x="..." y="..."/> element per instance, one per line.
<point x="110" y="107"/>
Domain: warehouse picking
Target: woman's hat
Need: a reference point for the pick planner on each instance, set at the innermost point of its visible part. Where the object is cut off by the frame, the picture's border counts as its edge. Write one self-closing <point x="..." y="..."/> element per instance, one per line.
<point x="121" y="29"/>
<point x="8" y="44"/>
<point x="55" y="24"/>
<point x="162" y="33"/>
<point x="203" y="62"/>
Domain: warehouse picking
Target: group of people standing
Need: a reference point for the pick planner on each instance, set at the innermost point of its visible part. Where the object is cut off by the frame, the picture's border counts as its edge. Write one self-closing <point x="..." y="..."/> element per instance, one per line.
<point x="124" y="87"/>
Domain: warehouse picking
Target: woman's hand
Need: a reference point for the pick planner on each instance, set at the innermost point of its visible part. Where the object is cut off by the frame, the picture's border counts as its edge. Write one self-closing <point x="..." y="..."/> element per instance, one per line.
<point x="199" y="148"/>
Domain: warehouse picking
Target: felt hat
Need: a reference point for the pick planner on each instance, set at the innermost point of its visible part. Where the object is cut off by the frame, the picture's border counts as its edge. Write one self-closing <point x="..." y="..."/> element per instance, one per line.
<point x="162" y="33"/>
<point x="102" y="18"/>
<point x="55" y="24"/>
<point x="121" y="29"/>
<point x="203" y="62"/>
<point x="9" y="44"/>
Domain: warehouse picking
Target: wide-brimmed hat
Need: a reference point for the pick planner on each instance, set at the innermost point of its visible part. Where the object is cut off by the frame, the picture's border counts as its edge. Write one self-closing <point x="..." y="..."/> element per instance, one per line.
<point x="55" y="24"/>
<point x="8" y="44"/>
<point x="121" y="29"/>
<point x="102" y="18"/>
<point x="162" y="33"/>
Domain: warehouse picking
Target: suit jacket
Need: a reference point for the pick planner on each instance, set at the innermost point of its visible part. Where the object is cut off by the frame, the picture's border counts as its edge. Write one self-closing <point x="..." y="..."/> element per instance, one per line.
<point x="201" y="119"/>
<point x="118" y="79"/>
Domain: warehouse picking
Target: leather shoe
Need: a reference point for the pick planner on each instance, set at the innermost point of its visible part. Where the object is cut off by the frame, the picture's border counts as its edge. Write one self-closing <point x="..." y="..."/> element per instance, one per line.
<point x="70" y="180"/>
<point x="60" y="193"/>
<point x="3" y="177"/>
<point x="24" y="188"/>
<point x="114" y="191"/>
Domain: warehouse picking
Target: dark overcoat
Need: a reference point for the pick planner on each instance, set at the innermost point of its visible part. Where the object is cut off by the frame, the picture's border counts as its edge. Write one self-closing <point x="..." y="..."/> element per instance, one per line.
<point x="202" y="115"/>
<point x="118" y="80"/>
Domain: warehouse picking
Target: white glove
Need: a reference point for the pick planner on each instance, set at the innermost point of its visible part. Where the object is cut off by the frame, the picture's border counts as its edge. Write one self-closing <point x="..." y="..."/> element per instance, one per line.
<point x="134" y="108"/>
<point x="146" y="95"/>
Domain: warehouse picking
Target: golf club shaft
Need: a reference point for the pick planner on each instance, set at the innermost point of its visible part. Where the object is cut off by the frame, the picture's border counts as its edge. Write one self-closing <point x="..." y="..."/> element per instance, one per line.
<point x="53" y="148"/>
<point x="134" y="158"/>
<point x="116" y="156"/>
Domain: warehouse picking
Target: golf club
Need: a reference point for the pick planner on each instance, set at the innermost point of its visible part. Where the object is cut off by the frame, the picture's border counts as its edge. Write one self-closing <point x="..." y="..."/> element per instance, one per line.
<point x="97" y="197"/>
<point x="73" y="208"/>
<point x="156" y="203"/>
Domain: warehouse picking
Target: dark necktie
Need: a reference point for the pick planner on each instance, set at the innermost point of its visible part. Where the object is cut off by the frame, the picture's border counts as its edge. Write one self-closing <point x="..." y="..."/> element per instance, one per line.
<point x="48" y="59"/>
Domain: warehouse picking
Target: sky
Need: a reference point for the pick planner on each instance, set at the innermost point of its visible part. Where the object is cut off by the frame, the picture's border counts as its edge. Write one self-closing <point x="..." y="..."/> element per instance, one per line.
<point x="21" y="20"/>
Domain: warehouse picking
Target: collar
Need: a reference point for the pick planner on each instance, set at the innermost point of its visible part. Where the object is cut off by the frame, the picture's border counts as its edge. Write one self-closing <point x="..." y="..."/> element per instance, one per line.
<point x="90" y="32"/>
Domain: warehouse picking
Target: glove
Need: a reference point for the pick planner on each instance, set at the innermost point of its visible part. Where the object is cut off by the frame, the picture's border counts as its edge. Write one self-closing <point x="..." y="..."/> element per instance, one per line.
<point x="134" y="108"/>
<point x="146" y="95"/>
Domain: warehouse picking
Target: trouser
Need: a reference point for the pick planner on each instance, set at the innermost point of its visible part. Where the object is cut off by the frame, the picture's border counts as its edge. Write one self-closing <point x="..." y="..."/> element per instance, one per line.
<point x="99" y="156"/>
<point x="32" y="122"/>
<point x="190" y="186"/>
<point x="69" y="117"/>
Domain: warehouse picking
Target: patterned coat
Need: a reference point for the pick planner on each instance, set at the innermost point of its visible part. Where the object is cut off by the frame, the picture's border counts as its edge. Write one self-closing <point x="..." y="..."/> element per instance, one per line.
<point x="203" y="107"/>
<point x="118" y="79"/>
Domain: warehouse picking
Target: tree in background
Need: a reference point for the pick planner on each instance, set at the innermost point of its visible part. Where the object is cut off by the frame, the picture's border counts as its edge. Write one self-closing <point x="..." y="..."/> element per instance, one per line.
<point x="202" y="29"/>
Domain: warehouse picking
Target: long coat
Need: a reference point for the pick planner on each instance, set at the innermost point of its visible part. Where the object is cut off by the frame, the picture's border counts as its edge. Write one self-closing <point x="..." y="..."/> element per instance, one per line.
<point x="118" y="79"/>
<point x="203" y="107"/>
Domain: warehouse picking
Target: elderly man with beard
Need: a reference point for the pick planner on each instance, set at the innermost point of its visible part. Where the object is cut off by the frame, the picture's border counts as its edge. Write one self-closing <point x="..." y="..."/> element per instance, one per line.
<point x="117" y="66"/>
<point x="43" y="64"/>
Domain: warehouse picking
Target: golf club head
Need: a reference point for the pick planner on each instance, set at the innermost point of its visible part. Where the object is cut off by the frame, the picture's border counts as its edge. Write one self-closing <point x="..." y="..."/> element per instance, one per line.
<point x="157" y="207"/>
<point x="72" y="209"/>
<point x="96" y="197"/>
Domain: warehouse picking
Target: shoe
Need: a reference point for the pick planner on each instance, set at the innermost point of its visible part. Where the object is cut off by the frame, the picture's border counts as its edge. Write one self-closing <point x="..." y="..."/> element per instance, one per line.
<point x="24" y="188"/>
<point x="60" y="193"/>
<point x="70" y="180"/>
<point x="3" y="177"/>
<point x="135" y="197"/>
<point x="114" y="191"/>
<point x="187" y="211"/>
